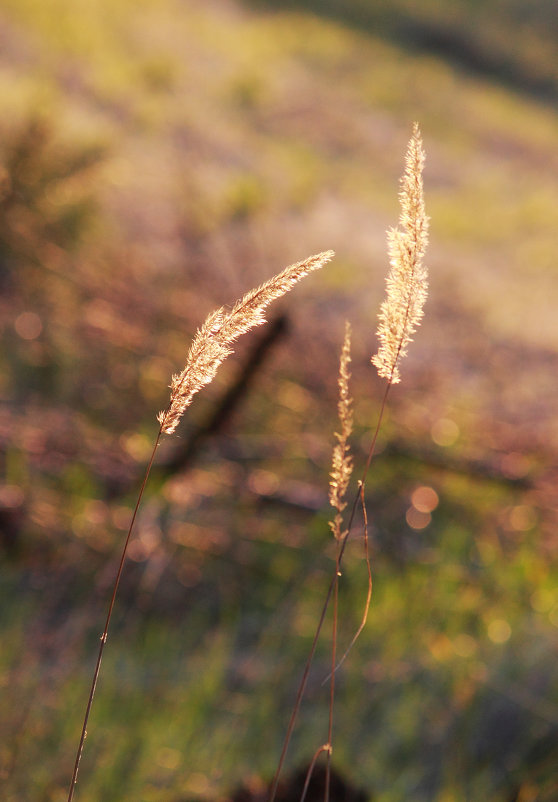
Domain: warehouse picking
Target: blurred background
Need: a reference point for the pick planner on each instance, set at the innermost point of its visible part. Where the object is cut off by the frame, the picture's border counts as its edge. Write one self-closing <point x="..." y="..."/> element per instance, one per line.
<point x="158" y="158"/>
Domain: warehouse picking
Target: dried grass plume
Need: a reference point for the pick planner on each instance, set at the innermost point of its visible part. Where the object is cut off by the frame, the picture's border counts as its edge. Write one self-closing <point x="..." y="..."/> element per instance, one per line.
<point x="342" y="464"/>
<point x="212" y="342"/>
<point x="407" y="285"/>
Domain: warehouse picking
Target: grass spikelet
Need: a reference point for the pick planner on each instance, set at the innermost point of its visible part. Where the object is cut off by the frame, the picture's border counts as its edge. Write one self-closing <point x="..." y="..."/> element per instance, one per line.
<point x="407" y="285"/>
<point x="342" y="464"/>
<point x="212" y="342"/>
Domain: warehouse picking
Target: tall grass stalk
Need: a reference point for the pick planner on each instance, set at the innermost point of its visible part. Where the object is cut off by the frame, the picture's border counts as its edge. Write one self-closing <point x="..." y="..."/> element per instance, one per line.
<point x="210" y="347"/>
<point x="341" y="470"/>
<point x="400" y="314"/>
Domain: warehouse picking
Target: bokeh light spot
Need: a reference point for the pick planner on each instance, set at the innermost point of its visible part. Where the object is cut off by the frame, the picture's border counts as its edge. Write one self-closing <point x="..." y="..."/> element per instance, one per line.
<point x="543" y="600"/>
<point x="464" y="645"/>
<point x="189" y="575"/>
<point x="499" y="631"/>
<point x="168" y="758"/>
<point x="425" y="499"/>
<point x="416" y="519"/>
<point x="441" y="647"/>
<point x="11" y="497"/>
<point x="28" y="325"/>
<point x="197" y="783"/>
<point x="263" y="483"/>
<point x="515" y="465"/>
<point x="121" y="517"/>
<point x="444" y="432"/>
<point x="96" y="512"/>
<point x="522" y="518"/>
<point x="137" y="445"/>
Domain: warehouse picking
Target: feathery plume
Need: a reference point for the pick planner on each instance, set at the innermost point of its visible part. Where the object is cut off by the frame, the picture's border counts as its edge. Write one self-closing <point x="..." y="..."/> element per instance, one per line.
<point x="407" y="285"/>
<point x="212" y="342"/>
<point x="342" y="463"/>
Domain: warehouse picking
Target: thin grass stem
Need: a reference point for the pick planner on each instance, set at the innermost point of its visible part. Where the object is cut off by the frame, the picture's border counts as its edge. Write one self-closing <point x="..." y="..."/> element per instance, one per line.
<point x="369" y="591"/>
<point x="311" y="767"/>
<point x="332" y="680"/>
<point x="342" y="546"/>
<point x="108" y="618"/>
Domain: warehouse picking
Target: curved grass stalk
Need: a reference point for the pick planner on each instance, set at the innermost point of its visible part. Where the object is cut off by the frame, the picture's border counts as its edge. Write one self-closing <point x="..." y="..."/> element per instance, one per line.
<point x="325" y="748"/>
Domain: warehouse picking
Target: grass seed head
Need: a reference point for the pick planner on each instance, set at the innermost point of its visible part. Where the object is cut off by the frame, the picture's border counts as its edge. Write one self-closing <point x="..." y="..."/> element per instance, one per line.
<point x="342" y="463"/>
<point x="407" y="285"/>
<point x="212" y="342"/>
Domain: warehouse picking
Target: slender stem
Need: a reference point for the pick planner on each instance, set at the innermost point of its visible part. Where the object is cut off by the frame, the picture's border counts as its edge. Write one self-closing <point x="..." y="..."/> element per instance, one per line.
<point x="107" y="622"/>
<point x="311" y="767"/>
<point x="302" y="686"/>
<point x="369" y="592"/>
<point x="332" y="678"/>
<point x="343" y="543"/>
<point x="375" y="438"/>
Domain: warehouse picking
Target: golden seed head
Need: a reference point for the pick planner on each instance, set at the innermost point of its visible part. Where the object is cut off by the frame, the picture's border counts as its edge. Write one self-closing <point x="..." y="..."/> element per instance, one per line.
<point x="407" y="285"/>
<point x="342" y="463"/>
<point x="212" y="343"/>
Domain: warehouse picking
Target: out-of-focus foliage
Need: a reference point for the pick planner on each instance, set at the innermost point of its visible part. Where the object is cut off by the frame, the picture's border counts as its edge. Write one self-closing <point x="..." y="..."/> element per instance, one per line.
<point x="158" y="159"/>
<point x="507" y="40"/>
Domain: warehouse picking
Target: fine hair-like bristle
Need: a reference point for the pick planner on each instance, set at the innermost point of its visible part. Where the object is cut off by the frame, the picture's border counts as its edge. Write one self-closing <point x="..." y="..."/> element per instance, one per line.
<point x="407" y="285"/>
<point x="342" y="463"/>
<point x="212" y="342"/>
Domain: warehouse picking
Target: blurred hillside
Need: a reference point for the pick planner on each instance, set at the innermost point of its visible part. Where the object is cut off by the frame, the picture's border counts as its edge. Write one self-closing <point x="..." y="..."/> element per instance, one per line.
<point x="157" y="159"/>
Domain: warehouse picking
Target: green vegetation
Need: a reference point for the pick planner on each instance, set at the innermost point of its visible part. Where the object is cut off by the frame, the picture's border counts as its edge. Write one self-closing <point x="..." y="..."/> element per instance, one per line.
<point x="157" y="159"/>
